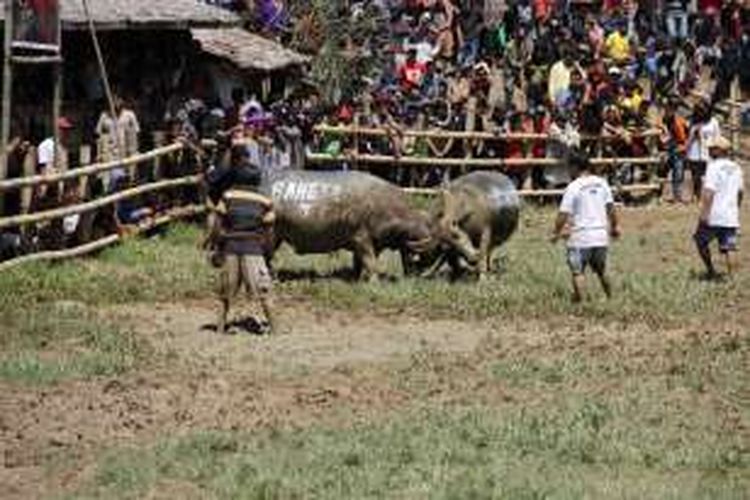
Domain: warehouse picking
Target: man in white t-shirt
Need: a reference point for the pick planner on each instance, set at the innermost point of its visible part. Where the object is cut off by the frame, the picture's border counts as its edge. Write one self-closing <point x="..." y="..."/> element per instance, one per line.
<point x="587" y="218"/>
<point x="705" y="128"/>
<point x="721" y="199"/>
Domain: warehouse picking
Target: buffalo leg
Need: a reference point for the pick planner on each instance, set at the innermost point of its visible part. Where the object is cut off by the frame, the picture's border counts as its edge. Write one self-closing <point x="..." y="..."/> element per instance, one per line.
<point x="406" y="266"/>
<point x="357" y="264"/>
<point x="365" y="252"/>
<point x="457" y="269"/>
<point x="485" y="253"/>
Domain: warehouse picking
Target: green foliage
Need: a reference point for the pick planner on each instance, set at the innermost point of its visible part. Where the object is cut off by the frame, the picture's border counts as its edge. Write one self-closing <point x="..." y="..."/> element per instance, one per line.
<point x="326" y="30"/>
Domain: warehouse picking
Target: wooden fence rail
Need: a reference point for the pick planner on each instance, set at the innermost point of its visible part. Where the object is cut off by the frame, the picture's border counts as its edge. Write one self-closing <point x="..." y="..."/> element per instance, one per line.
<point x="64" y="211"/>
<point x="471" y="162"/>
<point x="57" y="213"/>
<point x="457" y="134"/>
<point x="36" y="180"/>
<point x="99" y="244"/>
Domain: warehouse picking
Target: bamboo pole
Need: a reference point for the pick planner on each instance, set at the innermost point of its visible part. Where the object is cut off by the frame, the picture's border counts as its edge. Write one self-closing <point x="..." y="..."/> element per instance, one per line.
<point x="33" y="60"/>
<point x="57" y="213"/>
<point x="58" y="149"/>
<point x="29" y="167"/>
<point x="85" y="171"/>
<point x="456" y="134"/>
<point x="103" y="242"/>
<point x="735" y="115"/>
<point x="6" y="97"/>
<point x="472" y="162"/>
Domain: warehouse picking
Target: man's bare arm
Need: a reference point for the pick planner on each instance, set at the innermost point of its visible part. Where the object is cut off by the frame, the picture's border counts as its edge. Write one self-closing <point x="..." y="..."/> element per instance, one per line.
<point x="560" y="224"/>
<point x="269" y="218"/>
<point x="614" y="220"/>
<point x="707" y="201"/>
<point x="249" y="196"/>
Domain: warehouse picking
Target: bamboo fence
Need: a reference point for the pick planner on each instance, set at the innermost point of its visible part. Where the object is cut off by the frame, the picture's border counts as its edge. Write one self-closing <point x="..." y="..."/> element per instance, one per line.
<point x="170" y="215"/>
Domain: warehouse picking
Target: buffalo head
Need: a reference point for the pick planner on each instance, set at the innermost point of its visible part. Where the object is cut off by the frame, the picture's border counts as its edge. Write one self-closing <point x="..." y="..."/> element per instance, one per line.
<point x="445" y="238"/>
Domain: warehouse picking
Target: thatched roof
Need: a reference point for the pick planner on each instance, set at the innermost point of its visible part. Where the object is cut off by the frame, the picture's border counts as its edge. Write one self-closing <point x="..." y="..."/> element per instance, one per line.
<point x="246" y="50"/>
<point x="151" y="14"/>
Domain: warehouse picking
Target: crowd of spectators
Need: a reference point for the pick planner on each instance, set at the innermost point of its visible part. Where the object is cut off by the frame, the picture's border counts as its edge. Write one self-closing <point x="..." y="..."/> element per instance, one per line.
<point x="569" y="70"/>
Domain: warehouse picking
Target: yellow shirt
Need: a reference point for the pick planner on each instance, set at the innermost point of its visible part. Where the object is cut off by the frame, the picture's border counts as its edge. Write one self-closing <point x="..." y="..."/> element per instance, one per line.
<point x="632" y="103"/>
<point x="618" y="47"/>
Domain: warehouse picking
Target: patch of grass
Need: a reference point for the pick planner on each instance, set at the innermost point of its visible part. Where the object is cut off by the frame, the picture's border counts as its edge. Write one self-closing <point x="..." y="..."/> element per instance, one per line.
<point x="652" y="275"/>
<point x="51" y="343"/>
<point x="653" y="278"/>
<point x="163" y="268"/>
<point x="579" y="448"/>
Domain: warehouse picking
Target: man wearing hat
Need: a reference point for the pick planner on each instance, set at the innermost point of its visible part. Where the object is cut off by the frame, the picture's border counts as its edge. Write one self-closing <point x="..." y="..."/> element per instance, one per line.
<point x="721" y="199"/>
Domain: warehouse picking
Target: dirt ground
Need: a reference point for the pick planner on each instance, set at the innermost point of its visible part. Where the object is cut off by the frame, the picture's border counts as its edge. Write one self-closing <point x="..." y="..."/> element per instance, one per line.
<point x="334" y="367"/>
<point x="329" y="362"/>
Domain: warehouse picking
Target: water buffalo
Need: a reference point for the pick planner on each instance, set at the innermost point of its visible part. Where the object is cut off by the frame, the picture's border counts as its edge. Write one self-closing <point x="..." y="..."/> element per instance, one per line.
<point x="484" y="206"/>
<point x="321" y="212"/>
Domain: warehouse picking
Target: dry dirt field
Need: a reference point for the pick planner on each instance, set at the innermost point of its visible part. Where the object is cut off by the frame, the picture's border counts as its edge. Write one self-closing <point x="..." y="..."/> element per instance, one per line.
<point x="113" y="385"/>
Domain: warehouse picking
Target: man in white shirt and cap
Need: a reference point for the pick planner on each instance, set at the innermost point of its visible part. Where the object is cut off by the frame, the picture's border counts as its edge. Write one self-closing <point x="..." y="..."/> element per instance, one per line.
<point x="721" y="199"/>
<point x="587" y="218"/>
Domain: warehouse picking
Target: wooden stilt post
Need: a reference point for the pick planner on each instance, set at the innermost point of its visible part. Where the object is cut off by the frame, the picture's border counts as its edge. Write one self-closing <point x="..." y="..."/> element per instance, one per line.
<point x="355" y="143"/>
<point x="56" y="104"/>
<point x="29" y="169"/>
<point x="735" y="111"/>
<point x="7" y="96"/>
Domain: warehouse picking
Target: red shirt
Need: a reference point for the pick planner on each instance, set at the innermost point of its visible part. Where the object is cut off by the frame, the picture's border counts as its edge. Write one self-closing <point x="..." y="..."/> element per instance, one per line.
<point x="711" y="7"/>
<point x="411" y="74"/>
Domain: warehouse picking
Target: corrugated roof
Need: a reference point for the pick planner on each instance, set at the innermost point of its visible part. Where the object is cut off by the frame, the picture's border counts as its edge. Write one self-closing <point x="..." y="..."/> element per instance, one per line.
<point x="246" y="50"/>
<point x="124" y="14"/>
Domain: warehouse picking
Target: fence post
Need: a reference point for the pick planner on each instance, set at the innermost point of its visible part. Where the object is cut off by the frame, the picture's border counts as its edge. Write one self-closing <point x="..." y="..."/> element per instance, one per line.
<point x="6" y="97"/>
<point x="734" y="112"/>
<point x="355" y="163"/>
<point x="84" y="158"/>
<point x="29" y="169"/>
<point x="159" y="141"/>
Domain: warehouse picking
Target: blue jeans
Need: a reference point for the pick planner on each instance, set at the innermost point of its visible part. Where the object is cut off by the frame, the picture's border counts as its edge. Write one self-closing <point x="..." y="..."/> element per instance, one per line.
<point x="677" y="24"/>
<point x="581" y="258"/>
<point x="469" y="52"/>
<point x="677" y="170"/>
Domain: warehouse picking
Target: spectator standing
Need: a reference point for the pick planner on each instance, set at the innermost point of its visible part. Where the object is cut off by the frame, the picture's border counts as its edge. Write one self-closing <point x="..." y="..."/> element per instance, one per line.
<point x="721" y="200"/>
<point x="118" y="138"/>
<point x="677" y="19"/>
<point x="703" y="130"/>
<point x="559" y="81"/>
<point x="588" y="218"/>
<point x="674" y="131"/>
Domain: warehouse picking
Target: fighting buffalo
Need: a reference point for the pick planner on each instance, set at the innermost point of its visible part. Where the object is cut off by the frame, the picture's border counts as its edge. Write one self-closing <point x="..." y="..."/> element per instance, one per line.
<point x="321" y="212"/>
<point x="484" y="207"/>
